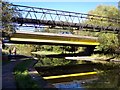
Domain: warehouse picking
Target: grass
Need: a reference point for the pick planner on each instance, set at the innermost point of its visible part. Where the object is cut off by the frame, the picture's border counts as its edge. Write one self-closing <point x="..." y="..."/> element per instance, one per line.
<point x="50" y="52"/>
<point x="106" y="56"/>
<point x="5" y="51"/>
<point x="22" y="77"/>
<point x="45" y="53"/>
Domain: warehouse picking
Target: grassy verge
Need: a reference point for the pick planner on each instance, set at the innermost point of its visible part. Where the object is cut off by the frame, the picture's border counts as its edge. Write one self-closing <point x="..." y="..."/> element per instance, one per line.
<point x="22" y="77"/>
<point x="46" y="53"/>
<point x="106" y="56"/>
<point x="50" y="53"/>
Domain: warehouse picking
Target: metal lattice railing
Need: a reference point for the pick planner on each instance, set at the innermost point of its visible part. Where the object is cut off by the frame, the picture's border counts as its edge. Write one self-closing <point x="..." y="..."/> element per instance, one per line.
<point x="37" y="17"/>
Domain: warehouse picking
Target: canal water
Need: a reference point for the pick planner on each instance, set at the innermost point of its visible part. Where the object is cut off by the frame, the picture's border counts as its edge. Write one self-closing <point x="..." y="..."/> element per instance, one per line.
<point x="72" y="84"/>
<point x="108" y="75"/>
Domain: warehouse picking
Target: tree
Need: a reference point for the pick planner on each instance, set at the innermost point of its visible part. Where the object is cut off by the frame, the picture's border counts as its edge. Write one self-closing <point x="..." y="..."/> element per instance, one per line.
<point x="108" y="41"/>
<point x="7" y="12"/>
<point x="105" y="11"/>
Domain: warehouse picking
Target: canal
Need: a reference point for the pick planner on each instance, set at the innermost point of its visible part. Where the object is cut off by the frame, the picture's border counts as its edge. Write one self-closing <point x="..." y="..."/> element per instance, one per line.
<point x="64" y="73"/>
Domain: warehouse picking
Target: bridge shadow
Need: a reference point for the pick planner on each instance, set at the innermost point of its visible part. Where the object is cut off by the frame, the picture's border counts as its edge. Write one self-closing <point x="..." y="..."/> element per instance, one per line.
<point x="18" y="56"/>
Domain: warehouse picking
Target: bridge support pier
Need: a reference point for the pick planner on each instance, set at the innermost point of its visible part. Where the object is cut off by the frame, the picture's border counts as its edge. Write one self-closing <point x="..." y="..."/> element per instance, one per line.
<point x="89" y="50"/>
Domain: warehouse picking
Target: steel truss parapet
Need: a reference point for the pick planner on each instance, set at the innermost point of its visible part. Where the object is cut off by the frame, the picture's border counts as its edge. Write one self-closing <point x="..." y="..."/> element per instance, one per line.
<point x="42" y="16"/>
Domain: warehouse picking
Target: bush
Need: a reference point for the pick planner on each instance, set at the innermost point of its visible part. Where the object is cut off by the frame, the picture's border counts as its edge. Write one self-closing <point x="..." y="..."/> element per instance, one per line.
<point x="108" y="42"/>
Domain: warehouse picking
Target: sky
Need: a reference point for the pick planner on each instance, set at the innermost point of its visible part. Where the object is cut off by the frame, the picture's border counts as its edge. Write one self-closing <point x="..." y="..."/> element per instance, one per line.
<point x="81" y="7"/>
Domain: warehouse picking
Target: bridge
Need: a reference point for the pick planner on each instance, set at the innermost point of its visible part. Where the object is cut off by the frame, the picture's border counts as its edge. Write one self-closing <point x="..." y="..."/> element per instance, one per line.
<point x="37" y="17"/>
<point x="49" y="38"/>
<point x="26" y="16"/>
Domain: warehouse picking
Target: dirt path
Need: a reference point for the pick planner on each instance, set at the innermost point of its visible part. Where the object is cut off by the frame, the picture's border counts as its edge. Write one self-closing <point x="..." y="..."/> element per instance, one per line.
<point x="8" y="80"/>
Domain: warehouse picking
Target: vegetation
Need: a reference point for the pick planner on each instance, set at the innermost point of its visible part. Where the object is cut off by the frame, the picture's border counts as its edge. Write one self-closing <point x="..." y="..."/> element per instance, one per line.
<point x="105" y="11"/>
<point x="53" y="62"/>
<point x="7" y="26"/>
<point x="24" y="49"/>
<point x="109" y="42"/>
<point x="23" y="80"/>
<point x="107" y="79"/>
<point x="46" y="61"/>
<point x="45" y="53"/>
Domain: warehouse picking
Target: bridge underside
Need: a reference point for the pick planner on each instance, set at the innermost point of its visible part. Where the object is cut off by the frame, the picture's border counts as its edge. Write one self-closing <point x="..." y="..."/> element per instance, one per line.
<point x="53" y="39"/>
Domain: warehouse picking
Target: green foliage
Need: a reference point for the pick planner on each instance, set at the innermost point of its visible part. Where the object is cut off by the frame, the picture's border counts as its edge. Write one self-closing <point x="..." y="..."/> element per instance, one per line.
<point x="108" y="42"/>
<point x="106" y="11"/>
<point x="47" y="47"/>
<point x="43" y="53"/>
<point x="22" y="77"/>
<point x="24" y="49"/>
<point x="57" y="49"/>
<point x="53" y="62"/>
<point x="107" y="79"/>
<point x="7" y="13"/>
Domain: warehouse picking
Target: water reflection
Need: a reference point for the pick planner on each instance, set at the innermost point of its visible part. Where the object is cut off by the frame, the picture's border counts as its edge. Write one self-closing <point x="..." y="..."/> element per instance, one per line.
<point x="74" y="84"/>
<point x="50" y="61"/>
<point x="109" y="78"/>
